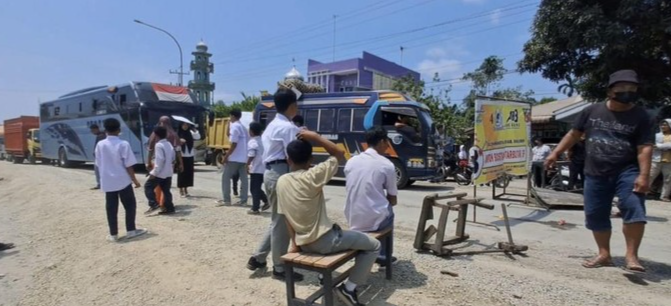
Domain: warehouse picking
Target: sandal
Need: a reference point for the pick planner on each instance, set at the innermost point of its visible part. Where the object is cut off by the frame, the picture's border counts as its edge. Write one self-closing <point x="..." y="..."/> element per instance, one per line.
<point x="598" y="262"/>
<point x="634" y="267"/>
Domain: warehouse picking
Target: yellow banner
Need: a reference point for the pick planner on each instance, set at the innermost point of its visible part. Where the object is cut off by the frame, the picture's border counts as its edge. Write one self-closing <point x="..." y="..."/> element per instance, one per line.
<point x="501" y="145"/>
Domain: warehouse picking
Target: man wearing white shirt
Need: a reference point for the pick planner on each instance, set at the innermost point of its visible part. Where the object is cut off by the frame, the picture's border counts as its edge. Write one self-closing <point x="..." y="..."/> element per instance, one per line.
<point x="275" y="139"/>
<point x="235" y="161"/>
<point x="115" y="160"/>
<point x="539" y="153"/>
<point x="371" y="189"/>
<point x="256" y="169"/>
<point x="161" y="174"/>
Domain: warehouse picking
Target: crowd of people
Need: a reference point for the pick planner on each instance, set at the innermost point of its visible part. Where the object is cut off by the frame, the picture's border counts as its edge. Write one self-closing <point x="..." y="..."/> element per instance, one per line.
<point x="279" y="158"/>
<point x="613" y="142"/>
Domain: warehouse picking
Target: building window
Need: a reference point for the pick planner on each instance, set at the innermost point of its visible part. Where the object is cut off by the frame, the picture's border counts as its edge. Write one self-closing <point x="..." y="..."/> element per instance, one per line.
<point x="198" y="76"/>
<point x="344" y="120"/>
<point x="381" y="81"/>
<point x="122" y="100"/>
<point x="80" y="107"/>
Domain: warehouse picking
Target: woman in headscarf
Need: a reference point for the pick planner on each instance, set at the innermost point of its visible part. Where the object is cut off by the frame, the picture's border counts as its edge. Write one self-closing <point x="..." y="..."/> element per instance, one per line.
<point x="661" y="159"/>
<point x="187" y="134"/>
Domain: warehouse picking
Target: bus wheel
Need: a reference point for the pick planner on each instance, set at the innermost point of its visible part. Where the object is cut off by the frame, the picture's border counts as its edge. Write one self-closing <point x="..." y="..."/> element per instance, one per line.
<point x="63" y="158"/>
<point x="31" y="159"/>
<point x="402" y="180"/>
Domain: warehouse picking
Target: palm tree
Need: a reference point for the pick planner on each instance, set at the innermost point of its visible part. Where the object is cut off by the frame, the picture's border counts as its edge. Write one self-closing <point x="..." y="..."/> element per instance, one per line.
<point x="567" y="88"/>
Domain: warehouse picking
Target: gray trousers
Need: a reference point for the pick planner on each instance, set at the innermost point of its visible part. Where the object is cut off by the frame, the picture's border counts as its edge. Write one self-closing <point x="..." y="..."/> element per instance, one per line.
<point x="338" y="240"/>
<point x="276" y="237"/>
<point x="97" y="172"/>
<point x="230" y="169"/>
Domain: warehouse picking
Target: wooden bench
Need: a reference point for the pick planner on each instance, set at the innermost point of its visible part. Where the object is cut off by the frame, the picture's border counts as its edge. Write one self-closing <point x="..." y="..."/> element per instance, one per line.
<point x="325" y="265"/>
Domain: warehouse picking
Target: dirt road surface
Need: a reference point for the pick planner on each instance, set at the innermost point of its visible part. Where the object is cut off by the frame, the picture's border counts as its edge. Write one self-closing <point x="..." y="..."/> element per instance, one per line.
<point x="198" y="256"/>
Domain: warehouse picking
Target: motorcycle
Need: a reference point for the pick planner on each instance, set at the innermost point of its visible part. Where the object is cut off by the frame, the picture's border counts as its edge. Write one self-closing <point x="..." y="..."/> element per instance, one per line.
<point x="451" y="169"/>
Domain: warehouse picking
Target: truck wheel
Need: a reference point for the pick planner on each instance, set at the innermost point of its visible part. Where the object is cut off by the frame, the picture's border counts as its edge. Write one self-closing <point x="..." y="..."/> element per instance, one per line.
<point x="46" y="161"/>
<point x="63" y="159"/>
<point x="401" y="175"/>
<point x="217" y="159"/>
<point x="18" y="160"/>
<point x="31" y="159"/>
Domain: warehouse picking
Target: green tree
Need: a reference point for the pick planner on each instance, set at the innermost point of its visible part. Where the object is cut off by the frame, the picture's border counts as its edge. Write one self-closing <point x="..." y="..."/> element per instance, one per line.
<point x="442" y="111"/>
<point x="247" y="104"/>
<point x="587" y="40"/>
<point x="546" y="100"/>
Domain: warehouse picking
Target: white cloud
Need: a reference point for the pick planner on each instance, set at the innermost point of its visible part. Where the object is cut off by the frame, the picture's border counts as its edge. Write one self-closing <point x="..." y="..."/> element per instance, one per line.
<point x="444" y="61"/>
<point x="446" y="68"/>
<point x="496" y="16"/>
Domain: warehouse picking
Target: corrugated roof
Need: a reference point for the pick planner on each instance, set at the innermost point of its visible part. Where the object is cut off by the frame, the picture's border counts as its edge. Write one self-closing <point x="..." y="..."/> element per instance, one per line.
<point x="546" y="112"/>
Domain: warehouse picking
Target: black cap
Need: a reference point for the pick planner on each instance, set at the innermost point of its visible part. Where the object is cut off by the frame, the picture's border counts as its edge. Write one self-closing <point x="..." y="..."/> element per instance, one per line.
<point x="628" y="76"/>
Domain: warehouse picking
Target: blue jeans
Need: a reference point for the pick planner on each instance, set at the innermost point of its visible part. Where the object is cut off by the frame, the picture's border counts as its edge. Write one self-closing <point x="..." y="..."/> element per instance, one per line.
<point x="97" y="172"/>
<point x="387" y="250"/>
<point x="599" y="193"/>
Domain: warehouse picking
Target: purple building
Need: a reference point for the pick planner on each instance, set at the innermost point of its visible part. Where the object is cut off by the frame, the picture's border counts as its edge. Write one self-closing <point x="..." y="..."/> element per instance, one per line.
<point x="358" y="74"/>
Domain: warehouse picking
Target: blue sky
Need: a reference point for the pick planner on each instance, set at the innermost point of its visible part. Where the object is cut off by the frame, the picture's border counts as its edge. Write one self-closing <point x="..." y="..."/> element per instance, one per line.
<point x="49" y="48"/>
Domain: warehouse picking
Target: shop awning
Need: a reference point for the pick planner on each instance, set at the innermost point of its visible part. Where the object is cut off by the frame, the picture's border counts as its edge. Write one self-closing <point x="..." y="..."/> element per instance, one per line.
<point x="558" y="109"/>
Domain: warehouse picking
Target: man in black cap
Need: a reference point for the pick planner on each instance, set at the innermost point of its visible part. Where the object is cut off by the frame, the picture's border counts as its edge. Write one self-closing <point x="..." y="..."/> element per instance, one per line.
<point x="619" y="141"/>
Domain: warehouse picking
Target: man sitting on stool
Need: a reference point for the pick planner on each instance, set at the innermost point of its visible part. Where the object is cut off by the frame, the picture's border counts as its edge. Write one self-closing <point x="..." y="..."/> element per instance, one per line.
<point x="300" y="197"/>
<point x="371" y="189"/>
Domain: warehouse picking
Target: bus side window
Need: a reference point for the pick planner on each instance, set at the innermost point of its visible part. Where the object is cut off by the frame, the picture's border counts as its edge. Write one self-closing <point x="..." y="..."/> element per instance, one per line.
<point x="344" y="120"/>
<point x="326" y="120"/>
<point x="312" y="119"/>
<point x="357" y="121"/>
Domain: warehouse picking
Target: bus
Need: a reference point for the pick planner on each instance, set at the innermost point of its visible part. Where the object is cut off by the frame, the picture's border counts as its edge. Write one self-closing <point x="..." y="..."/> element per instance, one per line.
<point x="345" y="116"/>
<point x="65" y="122"/>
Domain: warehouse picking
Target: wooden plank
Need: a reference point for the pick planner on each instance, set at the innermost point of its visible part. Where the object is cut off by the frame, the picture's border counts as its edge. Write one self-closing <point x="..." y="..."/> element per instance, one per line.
<point x="330" y="261"/>
<point x="442" y="226"/>
<point x="381" y="234"/>
<point x="309" y="259"/>
<point x="289" y="257"/>
<point x="429" y="232"/>
<point x="425" y="215"/>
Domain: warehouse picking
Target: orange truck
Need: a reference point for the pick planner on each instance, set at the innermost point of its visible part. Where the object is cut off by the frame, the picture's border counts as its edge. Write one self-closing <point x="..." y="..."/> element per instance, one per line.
<point x="22" y="139"/>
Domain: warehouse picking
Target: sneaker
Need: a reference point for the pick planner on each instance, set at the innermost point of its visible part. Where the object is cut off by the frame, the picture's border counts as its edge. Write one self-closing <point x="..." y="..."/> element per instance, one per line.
<point x="166" y="212"/>
<point x="265" y="206"/>
<point x="221" y="203"/>
<point x="95" y="188"/>
<point x="254" y="264"/>
<point x="235" y="194"/>
<point x="240" y="203"/>
<point x="253" y="212"/>
<point x="383" y="263"/>
<point x="348" y="297"/>
<point x="113" y="238"/>
<point x="151" y="209"/>
<point x="281" y="276"/>
<point x="136" y="233"/>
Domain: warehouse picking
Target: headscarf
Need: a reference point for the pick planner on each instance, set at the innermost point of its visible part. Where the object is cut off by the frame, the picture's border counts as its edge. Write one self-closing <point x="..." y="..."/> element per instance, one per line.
<point x="172" y="135"/>
<point x="462" y="152"/>
<point x="188" y="137"/>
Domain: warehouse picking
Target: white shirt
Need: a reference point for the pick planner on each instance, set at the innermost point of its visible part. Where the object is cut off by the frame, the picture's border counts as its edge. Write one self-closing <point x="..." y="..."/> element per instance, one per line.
<point x="239" y="137"/>
<point x="368" y="175"/>
<point x="255" y="150"/>
<point x="277" y="136"/>
<point x="541" y="153"/>
<point x="113" y="156"/>
<point x="190" y="153"/>
<point x="163" y="158"/>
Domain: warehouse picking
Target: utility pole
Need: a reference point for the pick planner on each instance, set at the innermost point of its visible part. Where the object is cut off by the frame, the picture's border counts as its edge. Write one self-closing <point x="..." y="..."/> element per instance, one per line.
<point x="179" y="73"/>
<point x="402" y="55"/>
<point x="334" y="35"/>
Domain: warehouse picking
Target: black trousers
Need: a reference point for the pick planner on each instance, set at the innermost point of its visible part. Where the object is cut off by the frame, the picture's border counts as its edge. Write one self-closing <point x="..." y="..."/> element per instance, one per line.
<point x="127" y="197"/>
<point x="538" y="171"/>
<point x="576" y="170"/>
<point x="256" y="188"/>
<point x="165" y="185"/>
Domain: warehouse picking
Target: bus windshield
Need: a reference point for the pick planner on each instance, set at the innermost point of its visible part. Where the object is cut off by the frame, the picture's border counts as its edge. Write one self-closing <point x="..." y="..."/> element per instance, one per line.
<point x="152" y="112"/>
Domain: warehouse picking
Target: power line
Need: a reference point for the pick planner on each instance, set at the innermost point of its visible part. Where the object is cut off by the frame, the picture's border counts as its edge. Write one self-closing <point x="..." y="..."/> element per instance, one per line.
<point x="250" y="57"/>
<point x="266" y="70"/>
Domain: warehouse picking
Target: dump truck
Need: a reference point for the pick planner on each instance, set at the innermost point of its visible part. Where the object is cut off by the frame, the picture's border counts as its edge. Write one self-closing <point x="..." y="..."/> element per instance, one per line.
<point x="22" y="139"/>
<point x="2" y="142"/>
<point x="217" y="139"/>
